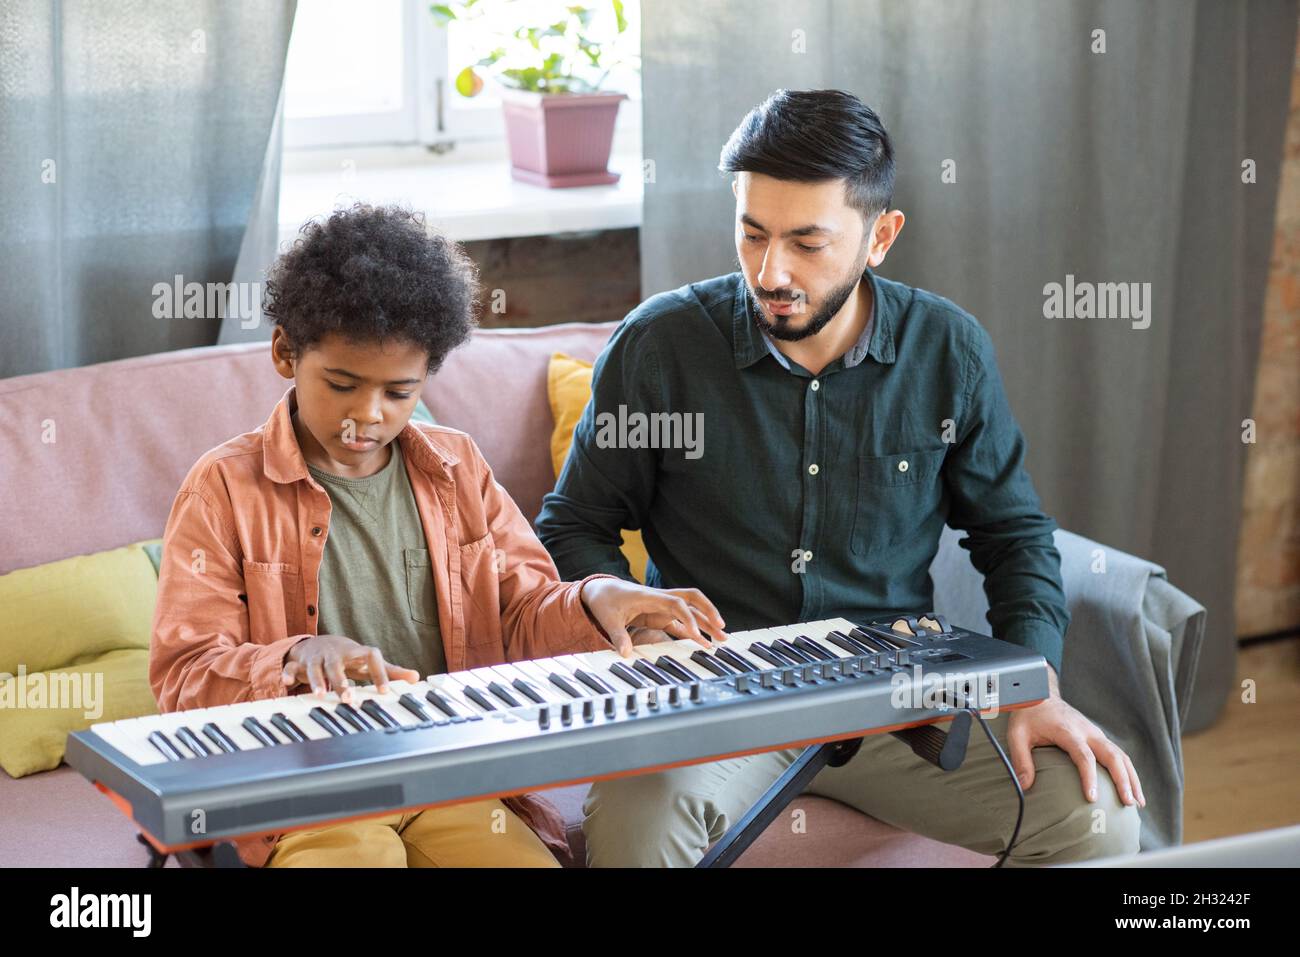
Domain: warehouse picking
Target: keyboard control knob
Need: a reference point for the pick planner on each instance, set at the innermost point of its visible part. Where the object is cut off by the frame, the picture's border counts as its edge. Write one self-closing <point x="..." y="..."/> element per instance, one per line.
<point x="566" y="713"/>
<point x="609" y="707"/>
<point x="767" y="679"/>
<point x="788" y="678"/>
<point x="588" y="710"/>
<point x="742" y="684"/>
<point x="543" y="717"/>
<point x="675" y="696"/>
<point x="631" y="702"/>
<point x="697" y="692"/>
<point x="809" y="672"/>
<point x="652" y="699"/>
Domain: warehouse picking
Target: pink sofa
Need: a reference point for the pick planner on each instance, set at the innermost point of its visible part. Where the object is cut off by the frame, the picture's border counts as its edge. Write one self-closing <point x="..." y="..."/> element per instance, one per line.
<point x="127" y="433"/>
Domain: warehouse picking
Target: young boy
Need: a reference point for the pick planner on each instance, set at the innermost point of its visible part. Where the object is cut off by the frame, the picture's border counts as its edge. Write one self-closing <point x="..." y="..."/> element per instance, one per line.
<point x="343" y="541"/>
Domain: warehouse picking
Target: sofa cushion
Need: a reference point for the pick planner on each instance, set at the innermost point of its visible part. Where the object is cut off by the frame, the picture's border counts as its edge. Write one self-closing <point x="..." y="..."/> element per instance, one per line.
<point x="568" y="387"/>
<point x="110" y="687"/>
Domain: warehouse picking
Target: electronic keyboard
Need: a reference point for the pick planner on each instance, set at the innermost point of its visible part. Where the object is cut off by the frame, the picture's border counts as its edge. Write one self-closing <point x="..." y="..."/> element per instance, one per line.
<point x="191" y="778"/>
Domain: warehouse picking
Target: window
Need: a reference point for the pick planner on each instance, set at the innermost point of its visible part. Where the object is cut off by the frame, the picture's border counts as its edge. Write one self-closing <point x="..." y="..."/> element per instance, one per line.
<point x="384" y="71"/>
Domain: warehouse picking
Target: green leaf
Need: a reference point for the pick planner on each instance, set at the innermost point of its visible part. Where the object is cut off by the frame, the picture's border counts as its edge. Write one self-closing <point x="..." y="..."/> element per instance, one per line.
<point x="618" y="15"/>
<point x="443" y="13"/>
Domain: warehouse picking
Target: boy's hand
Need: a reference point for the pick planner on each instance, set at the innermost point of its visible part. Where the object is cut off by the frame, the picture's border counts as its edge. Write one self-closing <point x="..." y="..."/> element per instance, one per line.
<point x="679" y="612"/>
<point x="327" y="661"/>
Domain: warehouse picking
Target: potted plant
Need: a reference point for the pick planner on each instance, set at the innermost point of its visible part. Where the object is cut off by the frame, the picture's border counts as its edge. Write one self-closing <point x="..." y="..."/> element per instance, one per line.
<point x="559" y="122"/>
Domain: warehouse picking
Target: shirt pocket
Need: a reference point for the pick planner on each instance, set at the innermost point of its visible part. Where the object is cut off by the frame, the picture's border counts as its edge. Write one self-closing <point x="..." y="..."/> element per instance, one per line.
<point x="272" y="590"/>
<point x="895" y="494"/>
<point x="421" y="596"/>
<point x="481" y="568"/>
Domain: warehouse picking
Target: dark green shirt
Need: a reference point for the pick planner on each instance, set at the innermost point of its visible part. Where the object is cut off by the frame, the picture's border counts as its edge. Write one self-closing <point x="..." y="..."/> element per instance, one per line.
<point x="809" y="497"/>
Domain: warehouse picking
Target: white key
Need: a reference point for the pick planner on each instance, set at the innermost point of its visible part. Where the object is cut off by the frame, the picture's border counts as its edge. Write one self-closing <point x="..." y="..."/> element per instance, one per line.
<point x="548" y="692"/>
<point x="819" y="635"/>
<point x="680" y="652"/>
<point x="453" y="690"/>
<point x="740" y="642"/>
<point x="580" y="662"/>
<point x="486" y="676"/>
<point x="548" y="667"/>
<point x="601" y="661"/>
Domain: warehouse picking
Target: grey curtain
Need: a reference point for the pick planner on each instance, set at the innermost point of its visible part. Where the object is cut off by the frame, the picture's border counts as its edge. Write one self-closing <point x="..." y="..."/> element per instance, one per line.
<point x="132" y="143"/>
<point x="1115" y="166"/>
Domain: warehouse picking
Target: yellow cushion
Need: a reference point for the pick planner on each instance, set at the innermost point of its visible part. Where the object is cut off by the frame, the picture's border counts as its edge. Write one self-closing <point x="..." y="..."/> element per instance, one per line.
<point x="69" y="611"/>
<point x="78" y="615"/>
<point x="38" y="711"/>
<point x="568" y="384"/>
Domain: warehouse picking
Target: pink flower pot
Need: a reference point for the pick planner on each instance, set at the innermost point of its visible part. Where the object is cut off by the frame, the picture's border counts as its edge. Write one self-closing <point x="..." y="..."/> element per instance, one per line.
<point x="561" y="139"/>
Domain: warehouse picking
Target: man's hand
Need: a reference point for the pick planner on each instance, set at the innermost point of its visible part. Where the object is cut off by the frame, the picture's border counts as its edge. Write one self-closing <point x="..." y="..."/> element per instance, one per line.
<point x="618" y="605"/>
<point x="326" y="662"/>
<point x="1055" y="722"/>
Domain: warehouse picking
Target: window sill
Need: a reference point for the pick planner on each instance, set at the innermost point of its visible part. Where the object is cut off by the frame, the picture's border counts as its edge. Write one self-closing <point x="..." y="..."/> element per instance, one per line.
<point x="468" y="194"/>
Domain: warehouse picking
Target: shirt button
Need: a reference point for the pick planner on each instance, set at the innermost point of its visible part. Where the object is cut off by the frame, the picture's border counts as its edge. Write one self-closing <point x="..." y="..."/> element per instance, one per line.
<point x="807" y="556"/>
<point x="311" y="609"/>
<point x="813" y="469"/>
<point x="815" y="385"/>
<point x="902" y="466"/>
<point x="316" y="530"/>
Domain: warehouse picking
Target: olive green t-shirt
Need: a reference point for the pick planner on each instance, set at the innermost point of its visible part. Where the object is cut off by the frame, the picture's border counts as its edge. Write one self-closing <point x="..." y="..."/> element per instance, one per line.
<point x="376" y="583"/>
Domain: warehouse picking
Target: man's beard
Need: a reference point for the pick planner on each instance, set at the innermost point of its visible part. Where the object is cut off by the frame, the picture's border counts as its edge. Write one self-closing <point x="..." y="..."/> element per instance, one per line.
<point x="834" y="302"/>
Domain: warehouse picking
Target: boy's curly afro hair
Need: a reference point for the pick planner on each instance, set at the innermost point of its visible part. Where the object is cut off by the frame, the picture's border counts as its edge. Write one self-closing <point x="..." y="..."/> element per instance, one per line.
<point x="374" y="274"/>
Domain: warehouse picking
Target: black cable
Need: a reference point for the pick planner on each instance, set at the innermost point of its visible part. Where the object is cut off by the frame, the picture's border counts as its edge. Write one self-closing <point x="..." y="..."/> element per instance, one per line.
<point x="1020" y="793"/>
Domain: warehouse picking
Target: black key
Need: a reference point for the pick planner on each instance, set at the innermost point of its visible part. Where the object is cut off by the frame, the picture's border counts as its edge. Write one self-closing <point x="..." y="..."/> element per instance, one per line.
<point x="328" y="722"/>
<point x="565" y="686"/>
<point x="498" y="689"/>
<point x="191" y="741"/>
<point x="705" y="659"/>
<point x="799" y="657"/>
<point x="874" y="642"/>
<point x="651" y="672"/>
<point x="353" y="717"/>
<point x="626" y="674"/>
<point x="785" y="657"/>
<point x="287" y="727"/>
<point x="259" y="731"/>
<point x="735" y="659"/>
<point x="848" y="643"/>
<point x="759" y="651"/>
<point x="592" y="682"/>
<point x="479" y="698"/>
<point x="811" y="648"/>
<point x="220" y="738"/>
<point x="412" y="704"/>
<point x="385" y="720"/>
<point x="442" y="704"/>
<point x="164" y="744"/>
<point x="673" y="667"/>
<point x="529" y="691"/>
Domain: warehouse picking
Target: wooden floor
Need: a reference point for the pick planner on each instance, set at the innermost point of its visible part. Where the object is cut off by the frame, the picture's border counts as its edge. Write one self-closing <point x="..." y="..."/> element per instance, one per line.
<point x="1243" y="773"/>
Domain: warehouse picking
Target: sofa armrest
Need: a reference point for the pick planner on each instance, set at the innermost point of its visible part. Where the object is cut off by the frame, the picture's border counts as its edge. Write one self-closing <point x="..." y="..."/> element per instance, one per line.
<point x="1130" y="656"/>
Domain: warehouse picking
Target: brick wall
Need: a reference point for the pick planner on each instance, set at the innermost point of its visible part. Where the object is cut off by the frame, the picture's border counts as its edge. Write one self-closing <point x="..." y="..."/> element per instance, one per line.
<point x="1268" y="569"/>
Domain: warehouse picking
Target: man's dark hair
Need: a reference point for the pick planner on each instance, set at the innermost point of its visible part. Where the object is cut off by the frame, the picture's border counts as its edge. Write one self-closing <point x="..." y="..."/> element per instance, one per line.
<point x="374" y="274"/>
<point x="812" y="136"/>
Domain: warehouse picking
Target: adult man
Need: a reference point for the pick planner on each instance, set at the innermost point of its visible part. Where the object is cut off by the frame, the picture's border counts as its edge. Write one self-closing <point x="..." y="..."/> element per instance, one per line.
<point x="847" y="419"/>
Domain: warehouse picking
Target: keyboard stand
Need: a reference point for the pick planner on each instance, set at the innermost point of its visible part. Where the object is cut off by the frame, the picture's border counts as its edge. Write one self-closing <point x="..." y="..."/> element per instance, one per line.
<point x="221" y="854"/>
<point x="946" y="750"/>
